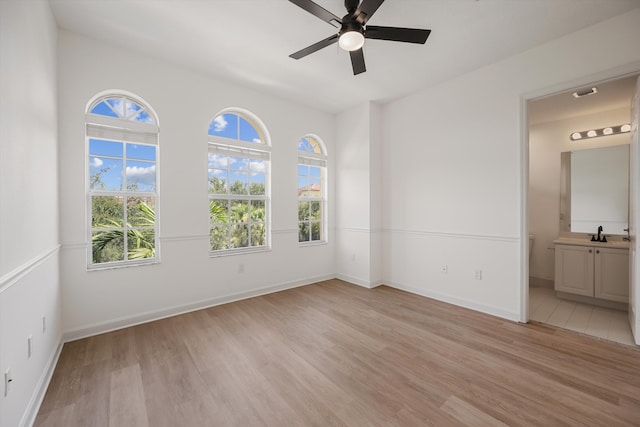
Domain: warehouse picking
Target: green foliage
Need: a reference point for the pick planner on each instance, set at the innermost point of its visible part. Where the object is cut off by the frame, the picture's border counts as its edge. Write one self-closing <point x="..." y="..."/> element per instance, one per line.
<point x="108" y="245"/>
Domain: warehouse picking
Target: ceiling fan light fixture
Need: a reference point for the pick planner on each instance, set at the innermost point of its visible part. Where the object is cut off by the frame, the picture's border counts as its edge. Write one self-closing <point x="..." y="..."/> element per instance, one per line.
<point x="351" y="40"/>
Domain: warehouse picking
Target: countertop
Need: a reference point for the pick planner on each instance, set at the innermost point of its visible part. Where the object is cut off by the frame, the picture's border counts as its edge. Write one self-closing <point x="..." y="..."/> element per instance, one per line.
<point x="613" y="244"/>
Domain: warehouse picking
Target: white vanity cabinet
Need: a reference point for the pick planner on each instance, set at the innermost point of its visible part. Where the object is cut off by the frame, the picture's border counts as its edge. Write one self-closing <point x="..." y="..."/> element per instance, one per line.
<point x="592" y="270"/>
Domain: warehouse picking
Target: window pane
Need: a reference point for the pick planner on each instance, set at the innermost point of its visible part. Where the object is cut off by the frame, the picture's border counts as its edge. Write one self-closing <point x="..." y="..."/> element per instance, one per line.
<point x="101" y="147"/>
<point x="218" y="181"/>
<point x="141" y="211"/>
<point x="257" y="211"/>
<point x="258" y="235"/>
<point x="304" y="145"/>
<point x="117" y="105"/>
<point x="257" y="184"/>
<point x="239" y="183"/>
<point x="303" y="170"/>
<point x="314" y="171"/>
<point x="303" y="232"/>
<point x="105" y="174"/>
<point x="238" y="163"/>
<point x="218" y="161"/>
<point x="248" y="132"/>
<point x="107" y="246"/>
<point x="131" y="109"/>
<point x="239" y="211"/>
<point x="315" y="189"/>
<point x="303" y="211"/>
<point x="141" y="244"/>
<point x="303" y="186"/>
<point x="219" y="237"/>
<point x="143" y="117"/>
<point x="141" y="152"/>
<point x="141" y="176"/>
<point x="315" y="231"/>
<point x="103" y="109"/>
<point x="315" y="210"/>
<point x="107" y="212"/>
<point x="219" y="211"/>
<point x="225" y="125"/>
<point x="239" y="236"/>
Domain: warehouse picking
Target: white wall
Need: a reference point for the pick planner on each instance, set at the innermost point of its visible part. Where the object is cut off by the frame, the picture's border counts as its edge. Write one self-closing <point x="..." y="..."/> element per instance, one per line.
<point x="29" y="284"/>
<point x="454" y="160"/>
<point x="187" y="277"/>
<point x="358" y="195"/>
<point x="546" y="142"/>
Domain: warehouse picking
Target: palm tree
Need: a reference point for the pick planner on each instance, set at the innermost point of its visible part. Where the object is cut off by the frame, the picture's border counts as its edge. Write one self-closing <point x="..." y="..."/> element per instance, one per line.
<point x="140" y="243"/>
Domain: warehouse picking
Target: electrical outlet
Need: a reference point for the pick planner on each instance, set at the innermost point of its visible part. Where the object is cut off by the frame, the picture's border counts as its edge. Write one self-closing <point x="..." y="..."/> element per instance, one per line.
<point x="29" y="346"/>
<point x="44" y="324"/>
<point x="8" y="379"/>
<point x="477" y="274"/>
<point x="443" y="269"/>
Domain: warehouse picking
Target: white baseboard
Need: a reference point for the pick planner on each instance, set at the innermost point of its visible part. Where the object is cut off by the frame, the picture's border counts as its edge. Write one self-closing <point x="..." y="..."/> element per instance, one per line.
<point x="360" y="282"/>
<point x="539" y="282"/>
<point x="33" y="407"/>
<point x="125" y="322"/>
<point x="494" y="311"/>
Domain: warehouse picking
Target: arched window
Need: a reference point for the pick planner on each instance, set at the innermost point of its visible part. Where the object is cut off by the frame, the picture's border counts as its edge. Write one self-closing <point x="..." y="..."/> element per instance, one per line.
<point x="122" y="160"/>
<point x="312" y="190"/>
<point x="239" y="166"/>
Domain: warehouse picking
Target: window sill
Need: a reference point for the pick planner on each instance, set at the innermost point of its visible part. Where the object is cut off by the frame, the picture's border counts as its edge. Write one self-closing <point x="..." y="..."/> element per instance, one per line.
<point x="117" y="265"/>
<point x="240" y="251"/>
<point x="314" y="243"/>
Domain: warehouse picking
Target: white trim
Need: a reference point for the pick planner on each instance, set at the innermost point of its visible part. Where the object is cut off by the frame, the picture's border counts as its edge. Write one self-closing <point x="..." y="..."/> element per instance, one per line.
<point x="285" y="231"/>
<point x="512" y="239"/>
<point x="184" y="238"/>
<point x="31" y="412"/>
<point x="18" y="273"/>
<point x="494" y="311"/>
<point x="150" y="316"/>
<point x="355" y="229"/>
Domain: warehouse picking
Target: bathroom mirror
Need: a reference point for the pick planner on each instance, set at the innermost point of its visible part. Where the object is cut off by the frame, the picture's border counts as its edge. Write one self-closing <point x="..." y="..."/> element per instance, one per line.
<point x="594" y="190"/>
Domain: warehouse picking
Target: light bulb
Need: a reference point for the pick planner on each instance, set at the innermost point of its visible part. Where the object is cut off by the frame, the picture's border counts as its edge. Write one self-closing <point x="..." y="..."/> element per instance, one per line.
<point x="592" y="133"/>
<point x="351" y="40"/>
<point x="625" y="128"/>
<point x="576" y="135"/>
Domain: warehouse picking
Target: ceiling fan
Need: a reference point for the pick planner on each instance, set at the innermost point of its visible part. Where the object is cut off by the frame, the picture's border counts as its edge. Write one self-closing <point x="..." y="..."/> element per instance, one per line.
<point x="354" y="30"/>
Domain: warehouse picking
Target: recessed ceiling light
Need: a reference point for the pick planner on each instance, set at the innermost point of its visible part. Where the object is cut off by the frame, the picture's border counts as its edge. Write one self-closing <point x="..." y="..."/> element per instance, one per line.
<point x="585" y="92"/>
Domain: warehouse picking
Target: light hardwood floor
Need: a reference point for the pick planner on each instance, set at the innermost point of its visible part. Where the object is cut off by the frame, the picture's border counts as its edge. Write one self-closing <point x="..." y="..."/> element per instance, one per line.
<point x="606" y="323"/>
<point x="337" y="354"/>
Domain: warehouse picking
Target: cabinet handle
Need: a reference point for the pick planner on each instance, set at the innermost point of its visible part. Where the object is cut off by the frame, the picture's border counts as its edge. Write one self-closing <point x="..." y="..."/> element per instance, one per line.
<point x="589" y="250"/>
<point x="598" y="251"/>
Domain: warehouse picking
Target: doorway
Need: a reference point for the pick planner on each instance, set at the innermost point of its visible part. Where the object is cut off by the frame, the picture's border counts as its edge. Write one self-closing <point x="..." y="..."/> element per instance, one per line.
<point x="552" y="120"/>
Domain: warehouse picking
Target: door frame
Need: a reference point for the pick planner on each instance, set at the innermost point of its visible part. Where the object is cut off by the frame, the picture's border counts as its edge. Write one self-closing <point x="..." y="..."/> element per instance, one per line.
<point x="607" y="75"/>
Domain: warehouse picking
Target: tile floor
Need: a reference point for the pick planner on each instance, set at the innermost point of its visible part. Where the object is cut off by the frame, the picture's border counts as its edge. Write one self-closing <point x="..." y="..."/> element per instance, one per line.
<point x="601" y="322"/>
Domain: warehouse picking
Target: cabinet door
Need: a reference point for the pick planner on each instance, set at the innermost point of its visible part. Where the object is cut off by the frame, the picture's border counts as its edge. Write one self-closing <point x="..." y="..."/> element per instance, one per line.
<point x="574" y="269"/>
<point x="612" y="274"/>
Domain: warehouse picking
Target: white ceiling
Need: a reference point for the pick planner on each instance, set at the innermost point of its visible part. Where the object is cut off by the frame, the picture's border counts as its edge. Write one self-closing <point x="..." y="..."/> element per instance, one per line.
<point x="610" y="95"/>
<point x="248" y="42"/>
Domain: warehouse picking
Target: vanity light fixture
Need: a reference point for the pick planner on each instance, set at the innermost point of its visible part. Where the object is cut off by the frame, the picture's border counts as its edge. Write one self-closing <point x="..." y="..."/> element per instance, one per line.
<point x="594" y="133"/>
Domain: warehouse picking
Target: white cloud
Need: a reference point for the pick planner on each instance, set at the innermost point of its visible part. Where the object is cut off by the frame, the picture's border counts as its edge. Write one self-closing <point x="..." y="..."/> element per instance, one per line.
<point x="142" y="175"/>
<point x="257" y="166"/>
<point x="219" y="123"/>
<point x="218" y="161"/>
<point x="96" y="162"/>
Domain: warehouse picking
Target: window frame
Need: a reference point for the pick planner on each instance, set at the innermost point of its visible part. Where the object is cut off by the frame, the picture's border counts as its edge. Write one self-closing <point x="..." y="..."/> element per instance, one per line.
<point x="218" y="145"/>
<point x="127" y="131"/>
<point x="315" y="159"/>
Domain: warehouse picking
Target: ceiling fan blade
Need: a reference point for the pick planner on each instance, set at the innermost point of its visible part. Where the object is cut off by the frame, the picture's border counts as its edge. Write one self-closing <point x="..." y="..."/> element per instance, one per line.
<point x="366" y="10"/>
<point x="396" y="34"/>
<point x="318" y="11"/>
<point x="357" y="61"/>
<point x="315" y="47"/>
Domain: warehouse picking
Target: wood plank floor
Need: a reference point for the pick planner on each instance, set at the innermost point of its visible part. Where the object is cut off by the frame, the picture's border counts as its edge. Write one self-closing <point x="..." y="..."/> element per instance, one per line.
<point x="334" y="354"/>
